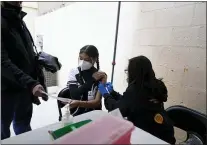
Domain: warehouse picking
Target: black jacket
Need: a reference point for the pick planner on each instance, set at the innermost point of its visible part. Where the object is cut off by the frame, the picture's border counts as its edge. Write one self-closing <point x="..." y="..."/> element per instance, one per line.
<point x="18" y="63"/>
<point x="139" y="110"/>
<point x="79" y="84"/>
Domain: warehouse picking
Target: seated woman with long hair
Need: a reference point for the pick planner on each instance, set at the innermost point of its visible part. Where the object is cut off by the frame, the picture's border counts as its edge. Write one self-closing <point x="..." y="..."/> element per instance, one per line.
<point x="83" y="82"/>
<point x="143" y="101"/>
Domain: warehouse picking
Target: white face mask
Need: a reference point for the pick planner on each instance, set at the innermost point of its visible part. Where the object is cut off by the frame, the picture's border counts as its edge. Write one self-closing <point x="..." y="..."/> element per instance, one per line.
<point x="85" y="65"/>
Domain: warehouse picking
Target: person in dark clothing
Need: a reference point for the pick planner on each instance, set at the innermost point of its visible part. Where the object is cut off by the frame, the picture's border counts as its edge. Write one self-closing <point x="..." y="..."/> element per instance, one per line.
<point x="83" y="82"/>
<point x="142" y="102"/>
<point x="19" y="85"/>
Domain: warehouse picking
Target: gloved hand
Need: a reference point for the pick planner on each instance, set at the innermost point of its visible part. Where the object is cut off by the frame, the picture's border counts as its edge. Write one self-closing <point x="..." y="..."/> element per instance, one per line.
<point x="105" y="88"/>
<point x="109" y="87"/>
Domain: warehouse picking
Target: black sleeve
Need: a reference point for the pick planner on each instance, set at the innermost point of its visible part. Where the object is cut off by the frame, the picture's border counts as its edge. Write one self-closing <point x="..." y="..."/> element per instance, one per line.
<point x="76" y="92"/>
<point x="116" y="95"/>
<point x="21" y="77"/>
<point x="115" y="100"/>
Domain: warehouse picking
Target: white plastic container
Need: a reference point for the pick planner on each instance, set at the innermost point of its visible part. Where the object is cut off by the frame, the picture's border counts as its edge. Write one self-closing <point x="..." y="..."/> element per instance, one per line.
<point x="67" y="117"/>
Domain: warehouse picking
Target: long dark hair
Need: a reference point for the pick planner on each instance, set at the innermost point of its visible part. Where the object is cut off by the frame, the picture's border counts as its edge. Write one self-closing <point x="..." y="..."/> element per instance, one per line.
<point x="91" y="51"/>
<point x="141" y="73"/>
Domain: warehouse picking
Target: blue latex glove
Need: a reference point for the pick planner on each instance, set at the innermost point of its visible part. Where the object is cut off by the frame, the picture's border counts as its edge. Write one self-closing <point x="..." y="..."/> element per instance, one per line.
<point x="105" y="88"/>
<point x="109" y="87"/>
<point x="102" y="89"/>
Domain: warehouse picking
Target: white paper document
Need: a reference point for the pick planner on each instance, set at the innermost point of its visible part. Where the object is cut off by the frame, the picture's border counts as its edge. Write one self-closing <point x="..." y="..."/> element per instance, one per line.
<point x="116" y="113"/>
<point x="58" y="98"/>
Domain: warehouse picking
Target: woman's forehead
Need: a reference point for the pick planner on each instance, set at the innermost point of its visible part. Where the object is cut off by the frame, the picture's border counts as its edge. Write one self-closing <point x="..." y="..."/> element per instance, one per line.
<point x="84" y="55"/>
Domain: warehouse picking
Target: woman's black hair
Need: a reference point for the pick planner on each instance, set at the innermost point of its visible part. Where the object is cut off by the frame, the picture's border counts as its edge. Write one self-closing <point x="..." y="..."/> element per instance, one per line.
<point x="141" y="73"/>
<point x="91" y="51"/>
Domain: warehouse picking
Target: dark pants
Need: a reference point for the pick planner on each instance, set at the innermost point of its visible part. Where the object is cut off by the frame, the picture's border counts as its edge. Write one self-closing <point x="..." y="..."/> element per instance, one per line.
<point x="16" y="107"/>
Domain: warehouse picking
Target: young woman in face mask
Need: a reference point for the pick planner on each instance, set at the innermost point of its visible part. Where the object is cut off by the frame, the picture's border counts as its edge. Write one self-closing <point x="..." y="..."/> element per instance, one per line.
<point x="83" y="82"/>
<point x="142" y="102"/>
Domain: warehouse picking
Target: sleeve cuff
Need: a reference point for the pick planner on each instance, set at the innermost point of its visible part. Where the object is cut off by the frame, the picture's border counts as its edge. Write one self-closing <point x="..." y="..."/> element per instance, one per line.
<point x="106" y="95"/>
<point x="32" y="84"/>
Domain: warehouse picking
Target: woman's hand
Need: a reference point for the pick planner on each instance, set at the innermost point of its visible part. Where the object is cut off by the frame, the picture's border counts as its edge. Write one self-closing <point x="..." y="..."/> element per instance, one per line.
<point x="98" y="75"/>
<point x="102" y="89"/>
<point x="109" y="87"/>
<point x="74" y="103"/>
<point x="105" y="88"/>
<point x="104" y="79"/>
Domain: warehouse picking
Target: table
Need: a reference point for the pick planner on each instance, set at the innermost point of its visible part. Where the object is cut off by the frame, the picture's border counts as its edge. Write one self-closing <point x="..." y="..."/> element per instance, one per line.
<point x="41" y="136"/>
